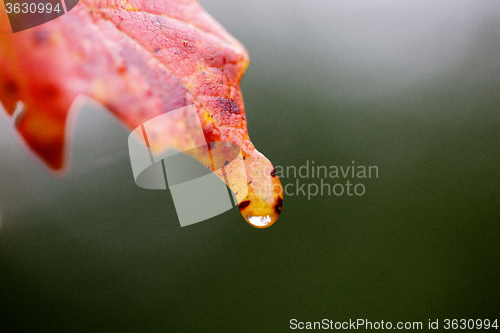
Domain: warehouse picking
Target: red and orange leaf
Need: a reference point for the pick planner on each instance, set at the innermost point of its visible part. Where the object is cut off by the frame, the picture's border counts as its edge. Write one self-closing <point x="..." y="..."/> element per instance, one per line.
<point x="140" y="59"/>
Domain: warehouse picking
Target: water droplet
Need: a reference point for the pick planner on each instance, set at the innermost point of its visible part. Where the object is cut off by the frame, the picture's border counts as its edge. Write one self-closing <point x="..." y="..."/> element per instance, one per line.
<point x="264" y="200"/>
<point x="260" y="214"/>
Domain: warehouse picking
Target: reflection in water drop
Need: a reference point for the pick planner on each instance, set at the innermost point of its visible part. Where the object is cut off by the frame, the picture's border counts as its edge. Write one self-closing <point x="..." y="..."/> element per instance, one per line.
<point x="259" y="221"/>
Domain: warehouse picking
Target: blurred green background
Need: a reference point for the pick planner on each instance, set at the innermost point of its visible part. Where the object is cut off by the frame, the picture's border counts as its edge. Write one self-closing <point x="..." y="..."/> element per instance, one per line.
<point x="411" y="87"/>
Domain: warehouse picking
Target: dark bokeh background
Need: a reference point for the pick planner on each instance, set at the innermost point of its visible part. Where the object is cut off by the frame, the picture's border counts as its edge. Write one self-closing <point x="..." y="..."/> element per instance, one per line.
<point x="412" y="88"/>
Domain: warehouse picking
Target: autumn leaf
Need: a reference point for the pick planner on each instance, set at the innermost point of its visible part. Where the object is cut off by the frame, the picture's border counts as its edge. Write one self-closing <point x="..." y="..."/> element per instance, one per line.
<point x="139" y="59"/>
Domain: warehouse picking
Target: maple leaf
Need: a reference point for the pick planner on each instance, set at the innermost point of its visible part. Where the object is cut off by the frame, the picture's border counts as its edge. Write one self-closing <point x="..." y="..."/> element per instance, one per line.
<point x="139" y="59"/>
